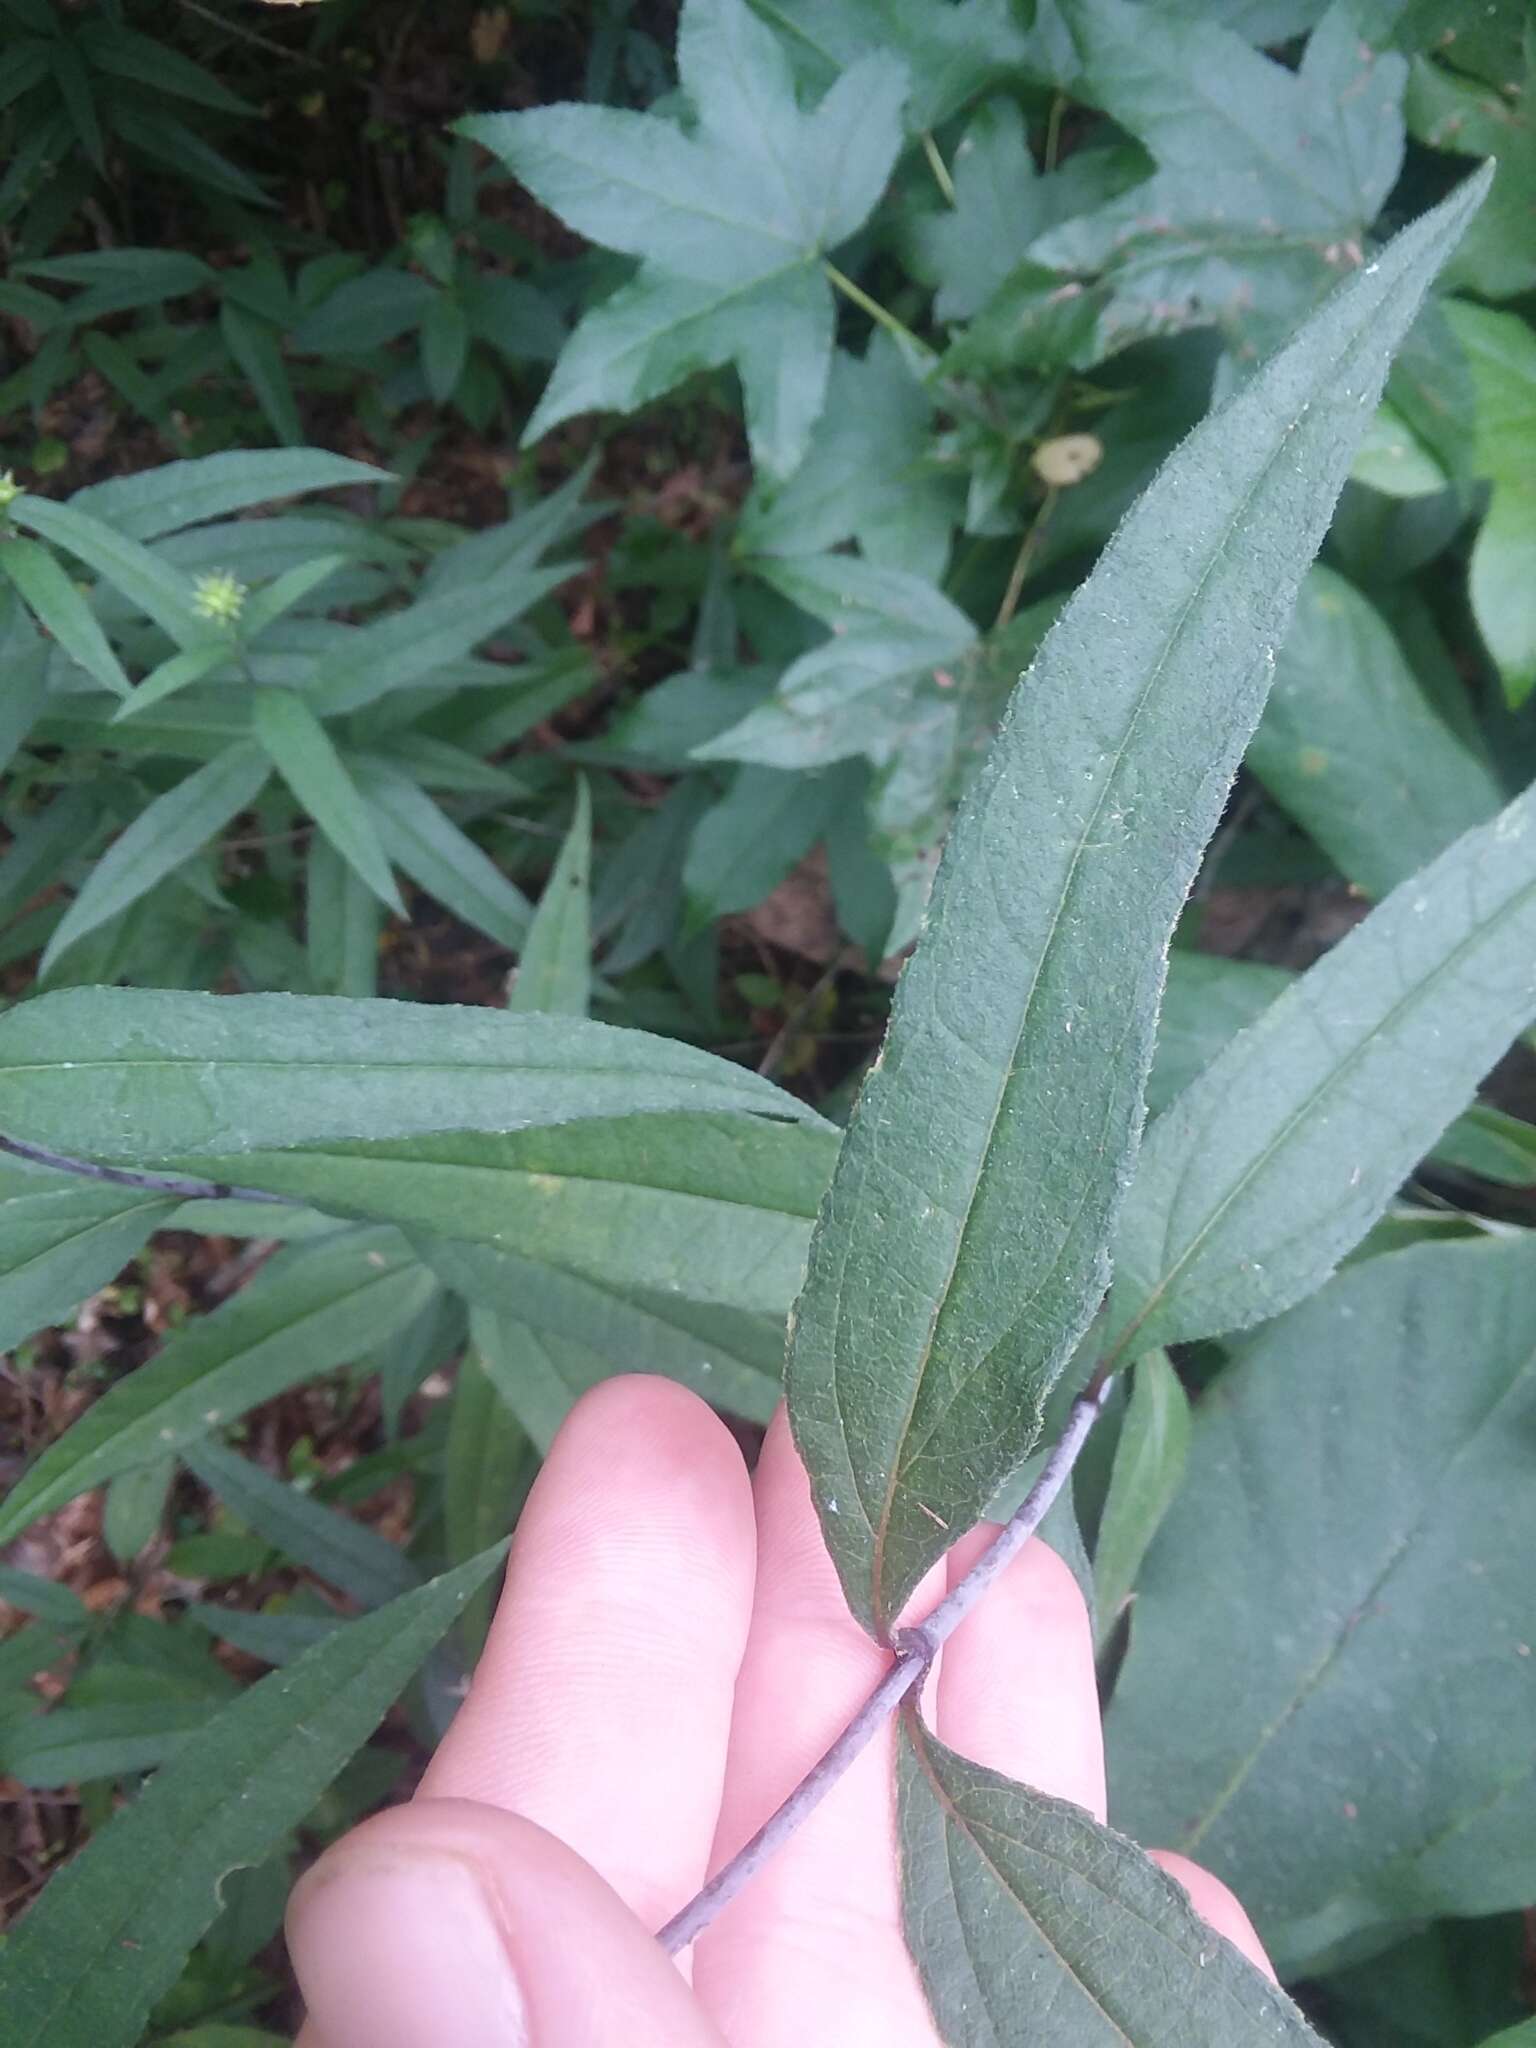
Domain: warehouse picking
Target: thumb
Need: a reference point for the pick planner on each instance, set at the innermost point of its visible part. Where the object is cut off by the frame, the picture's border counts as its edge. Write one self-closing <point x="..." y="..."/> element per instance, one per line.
<point x="448" y="1924"/>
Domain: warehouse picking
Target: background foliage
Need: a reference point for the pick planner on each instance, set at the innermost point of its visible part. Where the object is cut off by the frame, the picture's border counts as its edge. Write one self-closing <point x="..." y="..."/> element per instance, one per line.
<point x="569" y="561"/>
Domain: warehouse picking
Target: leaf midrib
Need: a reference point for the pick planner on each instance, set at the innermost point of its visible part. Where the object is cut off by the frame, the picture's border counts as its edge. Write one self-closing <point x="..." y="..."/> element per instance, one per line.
<point x="973" y="1832"/>
<point x="76" y="1237"/>
<point x="621" y="1184"/>
<point x="110" y="1932"/>
<point x="879" y="1528"/>
<point x="1361" y="1608"/>
<point x="734" y="224"/>
<point x="1409" y="999"/>
<point x="134" y="1425"/>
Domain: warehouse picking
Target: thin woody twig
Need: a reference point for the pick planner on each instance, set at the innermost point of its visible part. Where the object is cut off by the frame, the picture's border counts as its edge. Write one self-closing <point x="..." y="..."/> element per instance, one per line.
<point x="130" y="1177"/>
<point x="915" y="1650"/>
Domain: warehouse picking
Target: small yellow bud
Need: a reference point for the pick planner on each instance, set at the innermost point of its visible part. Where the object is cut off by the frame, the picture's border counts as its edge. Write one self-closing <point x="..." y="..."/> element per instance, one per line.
<point x="10" y="490"/>
<point x="1067" y="459"/>
<point x="220" y="596"/>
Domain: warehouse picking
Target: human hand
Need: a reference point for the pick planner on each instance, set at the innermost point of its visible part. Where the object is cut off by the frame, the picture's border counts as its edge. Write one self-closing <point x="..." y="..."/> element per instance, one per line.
<point x="671" y="1654"/>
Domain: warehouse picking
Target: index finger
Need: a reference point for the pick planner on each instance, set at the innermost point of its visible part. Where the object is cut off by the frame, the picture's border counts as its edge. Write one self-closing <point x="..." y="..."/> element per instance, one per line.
<point x="602" y="1705"/>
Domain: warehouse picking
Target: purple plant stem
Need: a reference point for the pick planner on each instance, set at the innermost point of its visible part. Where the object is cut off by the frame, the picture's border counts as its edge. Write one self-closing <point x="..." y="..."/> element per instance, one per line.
<point x="130" y="1177"/>
<point x="915" y="1650"/>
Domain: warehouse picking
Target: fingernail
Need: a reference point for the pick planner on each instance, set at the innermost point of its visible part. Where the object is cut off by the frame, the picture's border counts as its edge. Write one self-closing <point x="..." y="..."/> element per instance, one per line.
<point x="404" y="1949"/>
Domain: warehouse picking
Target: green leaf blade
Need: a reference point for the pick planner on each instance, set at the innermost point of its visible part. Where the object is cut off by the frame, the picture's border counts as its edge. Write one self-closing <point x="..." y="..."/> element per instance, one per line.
<point x="138" y="1074"/>
<point x="343" y="1552"/>
<point x="1340" y="1720"/>
<point x="707" y="1208"/>
<point x="168" y="831"/>
<point x="423" y="841"/>
<point x="1143" y="1484"/>
<point x="115" y="1926"/>
<point x="179" y="494"/>
<point x="489" y="1466"/>
<point x="554" y="974"/>
<point x="307" y="1311"/>
<point x="63" y="1242"/>
<point x="1033" y="1927"/>
<point x="159" y="590"/>
<point x="303" y="753"/>
<point x="546" y="1336"/>
<point x="1350" y="745"/>
<point x="57" y="604"/>
<point x="1347" y="1080"/>
<point x="960" y="1254"/>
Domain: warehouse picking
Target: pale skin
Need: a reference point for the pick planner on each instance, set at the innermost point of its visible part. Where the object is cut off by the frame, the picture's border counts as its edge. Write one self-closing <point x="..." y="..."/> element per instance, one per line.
<point x="671" y="1653"/>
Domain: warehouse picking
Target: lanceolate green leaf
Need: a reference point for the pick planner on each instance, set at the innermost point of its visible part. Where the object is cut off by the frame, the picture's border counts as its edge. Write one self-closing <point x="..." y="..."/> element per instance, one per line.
<point x="61" y="1242"/>
<point x="960" y="1251"/>
<point x="179" y="494"/>
<point x="1352" y="747"/>
<point x="554" y="974"/>
<point x="177" y="672"/>
<point x="1271" y="1165"/>
<point x="166" y="832"/>
<point x="549" y="1335"/>
<point x="25" y="655"/>
<point x="141" y="1074"/>
<point x="307" y="1311"/>
<point x="85" y="1966"/>
<point x="710" y="1208"/>
<point x="1209" y="999"/>
<point x="157" y="589"/>
<point x="338" y="1549"/>
<point x="1328" y="1696"/>
<point x="423" y="841"/>
<point x="1033" y="1927"/>
<point x="1149" y="1464"/>
<point x="489" y="1466"/>
<point x="1501" y="351"/>
<point x="342" y="921"/>
<point x="408" y="646"/>
<point x="61" y="608"/>
<point x="301" y="750"/>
